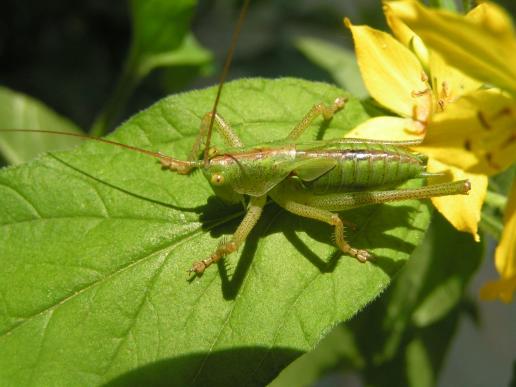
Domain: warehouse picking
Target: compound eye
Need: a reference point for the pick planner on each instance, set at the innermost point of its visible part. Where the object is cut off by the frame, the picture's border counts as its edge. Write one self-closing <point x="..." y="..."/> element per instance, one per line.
<point x="217" y="179"/>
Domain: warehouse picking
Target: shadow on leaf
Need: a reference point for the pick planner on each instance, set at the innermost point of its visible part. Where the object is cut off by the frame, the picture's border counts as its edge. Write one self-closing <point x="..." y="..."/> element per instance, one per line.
<point x="248" y="366"/>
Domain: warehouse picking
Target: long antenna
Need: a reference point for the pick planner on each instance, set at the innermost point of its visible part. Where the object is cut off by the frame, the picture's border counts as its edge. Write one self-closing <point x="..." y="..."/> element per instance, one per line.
<point x="171" y="162"/>
<point x="227" y="63"/>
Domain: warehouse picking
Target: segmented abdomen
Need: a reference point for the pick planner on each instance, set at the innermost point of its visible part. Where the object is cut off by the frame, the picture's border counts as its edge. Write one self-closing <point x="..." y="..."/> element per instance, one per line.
<point x="366" y="166"/>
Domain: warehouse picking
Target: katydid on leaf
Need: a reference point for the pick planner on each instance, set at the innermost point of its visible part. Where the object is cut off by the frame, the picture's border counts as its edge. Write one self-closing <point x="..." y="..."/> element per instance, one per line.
<point x="315" y="180"/>
<point x="311" y="179"/>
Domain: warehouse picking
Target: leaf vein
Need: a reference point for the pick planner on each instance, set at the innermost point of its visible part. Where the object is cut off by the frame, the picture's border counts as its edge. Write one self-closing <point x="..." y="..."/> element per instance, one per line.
<point x="100" y="281"/>
<point x="139" y="308"/>
<point x="23" y="197"/>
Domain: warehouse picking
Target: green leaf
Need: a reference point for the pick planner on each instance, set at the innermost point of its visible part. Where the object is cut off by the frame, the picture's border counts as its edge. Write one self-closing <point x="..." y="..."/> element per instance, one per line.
<point x="95" y="245"/>
<point x="189" y="53"/>
<point x="159" y="26"/>
<point x="424" y="354"/>
<point x="19" y="111"/>
<point x="496" y="200"/>
<point x="335" y="351"/>
<point x="456" y="257"/>
<point x="338" y="61"/>
<point x="449" y="5"/>
<point x="431" y="284"/>
<point x="415" y="321"/>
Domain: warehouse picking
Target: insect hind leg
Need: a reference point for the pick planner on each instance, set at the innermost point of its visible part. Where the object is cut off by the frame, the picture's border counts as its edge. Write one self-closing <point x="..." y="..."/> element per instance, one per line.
<point x="348" y="200"/>
<point x="320" y="109"/>
<point x="327" y="217"/>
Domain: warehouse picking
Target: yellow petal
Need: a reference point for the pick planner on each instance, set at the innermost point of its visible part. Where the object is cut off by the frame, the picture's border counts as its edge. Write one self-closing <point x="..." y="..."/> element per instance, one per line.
<point x="478" y="48"/>
<point x="492" y="18"/>
<point x="406" y="36"/>
<point x="506" y="251"/>
<point x="462" y="211"/>
<point x="448" y="83"/>
<point x="502" y="289"/>
<point x="505" y="257"/>
<point x="476" y="133"/>
<point x="387" y="128"/>
<point x="392" y="74"/>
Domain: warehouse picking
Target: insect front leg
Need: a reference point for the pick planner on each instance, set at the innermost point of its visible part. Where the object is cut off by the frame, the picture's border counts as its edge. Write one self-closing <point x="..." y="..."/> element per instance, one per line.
<point x="228" y="134"/>
<point x="254" y="212"/>
<point x="324" y="216"/>
<point x="326" y="111"/>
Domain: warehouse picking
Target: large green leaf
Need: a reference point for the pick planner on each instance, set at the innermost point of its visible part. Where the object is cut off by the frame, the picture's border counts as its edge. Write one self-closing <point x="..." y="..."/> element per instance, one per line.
<point x="95" y="244"/>
<point x="19" y="111"/>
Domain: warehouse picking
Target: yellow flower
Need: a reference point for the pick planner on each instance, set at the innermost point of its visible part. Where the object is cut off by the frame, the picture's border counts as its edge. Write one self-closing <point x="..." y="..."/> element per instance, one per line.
<point x="418" y="88"/>
<point x="482" y="43"/>
<point x="505" y="257"/>
<point x="484" y="135"/>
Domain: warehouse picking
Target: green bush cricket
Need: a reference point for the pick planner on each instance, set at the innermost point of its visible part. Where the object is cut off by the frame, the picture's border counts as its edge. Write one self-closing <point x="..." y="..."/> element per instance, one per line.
<point x="310" y="179"/>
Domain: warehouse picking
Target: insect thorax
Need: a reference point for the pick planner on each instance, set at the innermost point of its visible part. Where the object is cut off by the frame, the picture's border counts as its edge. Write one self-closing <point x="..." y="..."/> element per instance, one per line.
<point x="252" y="172"/>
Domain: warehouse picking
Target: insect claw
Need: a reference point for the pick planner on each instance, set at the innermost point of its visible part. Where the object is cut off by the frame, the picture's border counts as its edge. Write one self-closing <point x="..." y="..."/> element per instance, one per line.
<point x="467" y="186"/>
<point x="340" y="102"/>
<point x="364" y="255"/>
<point x="197" y="268"/>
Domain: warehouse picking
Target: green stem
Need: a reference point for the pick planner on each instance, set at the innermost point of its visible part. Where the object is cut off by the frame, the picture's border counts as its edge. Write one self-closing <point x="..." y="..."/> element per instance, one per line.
<point x="491" y="225"/>
<point x="467" y="5"/>
<point x="496" y="200"/>
<point x="444" y="4"/>
<point x="126" y="83"/>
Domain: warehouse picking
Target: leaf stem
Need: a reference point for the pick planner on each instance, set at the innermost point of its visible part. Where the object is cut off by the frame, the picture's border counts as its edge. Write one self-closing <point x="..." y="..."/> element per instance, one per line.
<point x="491" y="225"/>
<point x="496" y="200"/>
<point x="444" y="4"/>
<point x="126" y="83"/>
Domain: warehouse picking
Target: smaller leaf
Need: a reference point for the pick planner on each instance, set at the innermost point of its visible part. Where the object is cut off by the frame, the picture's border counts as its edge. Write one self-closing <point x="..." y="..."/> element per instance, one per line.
<point x="189" y="53"/>
<point x="456" y="257"/>
<point x="19" y="111"/>
<point x="424" y="354"/>
<point x="159" y="26"/>
<point x="444" y="4"/>
<point x="419" y="369"/>
<point x="445" y="260"/>
<point x="337" y="350"/>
